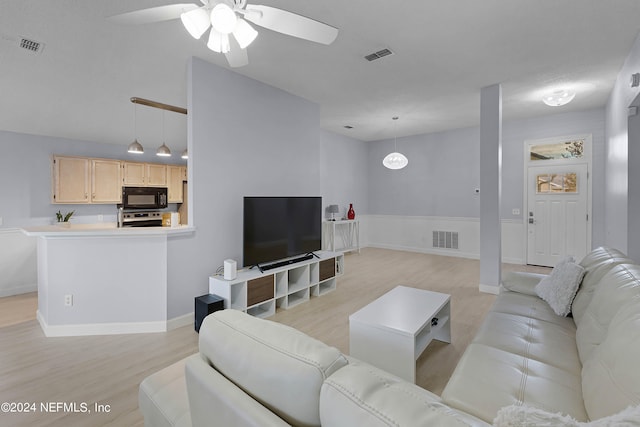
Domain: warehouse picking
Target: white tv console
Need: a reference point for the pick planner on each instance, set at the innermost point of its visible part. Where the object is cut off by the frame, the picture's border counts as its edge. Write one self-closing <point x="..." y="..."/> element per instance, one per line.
<point x="259" y="293"/>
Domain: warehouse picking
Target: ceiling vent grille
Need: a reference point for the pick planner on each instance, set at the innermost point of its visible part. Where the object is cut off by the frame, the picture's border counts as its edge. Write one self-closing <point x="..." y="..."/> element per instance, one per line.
<point x="377" y="55"/>
<point x="30" y="45"/>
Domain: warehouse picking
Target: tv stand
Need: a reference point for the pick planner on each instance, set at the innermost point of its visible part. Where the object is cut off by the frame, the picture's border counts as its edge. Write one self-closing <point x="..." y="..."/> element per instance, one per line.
<point x="282" y="263"/>
<point x="259" y="293"/>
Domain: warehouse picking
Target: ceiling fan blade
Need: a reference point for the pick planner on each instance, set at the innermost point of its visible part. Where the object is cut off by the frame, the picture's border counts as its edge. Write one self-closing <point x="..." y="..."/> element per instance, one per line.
<point x="154" y="14"/>
<point x="291" y="24"/>
<point x="236" y="57"/>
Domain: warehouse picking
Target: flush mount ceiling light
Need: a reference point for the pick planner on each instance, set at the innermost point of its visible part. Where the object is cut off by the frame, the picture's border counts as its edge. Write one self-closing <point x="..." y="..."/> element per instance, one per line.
<point x="135" y="147"/>
<point x="558" y="98"/>
<point x="226" y="17"/>
<point x="185" y="154"/>
<point x="395" y="160"/>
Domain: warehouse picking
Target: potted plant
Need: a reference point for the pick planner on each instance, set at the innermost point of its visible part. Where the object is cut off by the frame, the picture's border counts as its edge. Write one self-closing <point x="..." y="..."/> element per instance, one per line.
<point x="63" y="220"/>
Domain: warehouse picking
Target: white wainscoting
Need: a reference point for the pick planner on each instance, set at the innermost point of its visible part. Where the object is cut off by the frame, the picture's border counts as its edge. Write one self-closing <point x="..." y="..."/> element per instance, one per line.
<point x="415" y="234"/>
<point x="18" y="266"/>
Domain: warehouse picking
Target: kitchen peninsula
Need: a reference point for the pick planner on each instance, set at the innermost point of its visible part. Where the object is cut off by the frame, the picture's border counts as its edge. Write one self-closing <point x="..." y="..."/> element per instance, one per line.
<point x="100" y="279"/>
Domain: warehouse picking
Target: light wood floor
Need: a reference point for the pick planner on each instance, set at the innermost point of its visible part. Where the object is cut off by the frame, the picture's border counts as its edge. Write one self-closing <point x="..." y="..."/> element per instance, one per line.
<point x="108" y="369"/>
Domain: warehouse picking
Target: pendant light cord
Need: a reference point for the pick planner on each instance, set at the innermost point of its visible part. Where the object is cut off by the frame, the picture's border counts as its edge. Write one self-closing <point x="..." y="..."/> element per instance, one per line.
<point x="395" y="133"/>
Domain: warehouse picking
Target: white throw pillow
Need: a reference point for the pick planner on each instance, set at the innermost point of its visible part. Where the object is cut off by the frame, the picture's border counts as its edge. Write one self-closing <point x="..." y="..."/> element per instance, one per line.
<point x="527" y="416"/>
<point x="559" y="288"/>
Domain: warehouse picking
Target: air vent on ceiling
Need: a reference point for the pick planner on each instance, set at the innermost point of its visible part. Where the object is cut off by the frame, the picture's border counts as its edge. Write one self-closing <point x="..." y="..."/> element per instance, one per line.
<point x="30" y="45"/>
<point x="379" y="54"/>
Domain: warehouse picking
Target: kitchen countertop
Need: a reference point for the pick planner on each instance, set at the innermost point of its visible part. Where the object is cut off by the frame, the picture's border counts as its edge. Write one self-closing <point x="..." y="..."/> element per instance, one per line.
<point x="102" y="229"/>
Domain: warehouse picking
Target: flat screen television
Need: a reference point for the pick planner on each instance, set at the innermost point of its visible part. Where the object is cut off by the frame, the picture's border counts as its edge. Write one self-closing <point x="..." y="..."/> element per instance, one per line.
<point x="280" y="227"/>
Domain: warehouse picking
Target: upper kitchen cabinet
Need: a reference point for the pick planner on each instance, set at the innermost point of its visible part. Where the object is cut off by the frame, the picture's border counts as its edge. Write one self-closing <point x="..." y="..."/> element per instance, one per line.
<point x="106" y="181"/>
<point x="156" y="175"/>
<point x="134" y="173"/>
<point x="82" y="180"/>
<point x="177" y="174"/>
<point x="145" y="174"/>
<point x="71" y="181"/>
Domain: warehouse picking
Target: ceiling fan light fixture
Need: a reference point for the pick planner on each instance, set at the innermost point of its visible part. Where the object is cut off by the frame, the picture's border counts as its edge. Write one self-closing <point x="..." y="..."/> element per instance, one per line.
<point x="218" y="42"/>
<point x="244" y="33"/>
<point x="223" y="18"/>
<point x="196" y="22"/>
<point x="558" y="98"/>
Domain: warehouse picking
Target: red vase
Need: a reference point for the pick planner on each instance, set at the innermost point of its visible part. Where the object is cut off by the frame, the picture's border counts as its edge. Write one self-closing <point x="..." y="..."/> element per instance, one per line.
<point x="351" y="214"/>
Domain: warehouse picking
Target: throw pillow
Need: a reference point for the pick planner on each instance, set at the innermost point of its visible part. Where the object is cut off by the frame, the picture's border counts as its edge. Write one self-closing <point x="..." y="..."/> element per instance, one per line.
<point x="527" y="416"/>
<point x="559" y="288"/>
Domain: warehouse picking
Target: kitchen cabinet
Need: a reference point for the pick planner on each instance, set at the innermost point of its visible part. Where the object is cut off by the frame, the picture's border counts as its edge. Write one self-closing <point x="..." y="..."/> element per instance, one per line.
<point x="145" y="174"/>
<point x="176" y="175"/>
<point x="156" y="175"/>
<point x="134" y="173"/>
<point x="106" y="181"/>
<point x="70" y="180"/>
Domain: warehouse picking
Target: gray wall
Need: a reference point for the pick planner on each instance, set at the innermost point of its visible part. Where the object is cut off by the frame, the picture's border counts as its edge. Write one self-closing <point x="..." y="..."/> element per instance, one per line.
<point x="343" y="171"/>
<point x="443" y="169"/>
<point x="617" y="160"/>
<point x="245" y="138"/>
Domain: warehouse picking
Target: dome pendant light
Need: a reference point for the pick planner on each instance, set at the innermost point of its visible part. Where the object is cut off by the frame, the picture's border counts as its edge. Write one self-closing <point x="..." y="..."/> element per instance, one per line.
<point x="163" y="150"/>
<point x="395" y="160"/>
<point x="135" y="147"/>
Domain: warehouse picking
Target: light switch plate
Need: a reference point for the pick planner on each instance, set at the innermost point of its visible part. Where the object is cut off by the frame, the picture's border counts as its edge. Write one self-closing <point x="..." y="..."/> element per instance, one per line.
<point x="0" y="220"/>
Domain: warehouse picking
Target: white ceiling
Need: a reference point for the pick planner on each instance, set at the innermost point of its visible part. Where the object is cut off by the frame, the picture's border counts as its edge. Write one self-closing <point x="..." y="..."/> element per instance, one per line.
<point x="445" y="51"/>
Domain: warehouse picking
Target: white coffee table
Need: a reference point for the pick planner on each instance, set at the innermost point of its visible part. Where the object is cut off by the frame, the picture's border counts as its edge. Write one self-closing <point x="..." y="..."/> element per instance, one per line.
<point x="392" y="331"/>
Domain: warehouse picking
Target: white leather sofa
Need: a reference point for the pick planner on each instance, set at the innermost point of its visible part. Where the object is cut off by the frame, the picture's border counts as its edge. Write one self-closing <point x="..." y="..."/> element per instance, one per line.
<point x="254" y="372"/>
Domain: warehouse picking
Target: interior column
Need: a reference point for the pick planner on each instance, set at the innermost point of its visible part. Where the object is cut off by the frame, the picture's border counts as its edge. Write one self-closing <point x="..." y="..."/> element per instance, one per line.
<point x="490" y="187"/>
<point x="633" y="183"/>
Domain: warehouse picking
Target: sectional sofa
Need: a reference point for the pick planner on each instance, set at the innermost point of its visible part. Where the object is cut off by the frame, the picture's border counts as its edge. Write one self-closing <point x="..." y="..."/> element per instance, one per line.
<point x="527" y="365"/>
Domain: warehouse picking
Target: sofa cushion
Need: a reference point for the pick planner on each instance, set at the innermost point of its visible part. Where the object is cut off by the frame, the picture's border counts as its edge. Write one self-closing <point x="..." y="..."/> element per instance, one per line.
<point x="280" y="367"/>
<point x="611" y="377"/>
<point x="559" y="287"/>
<point x="162" y="397"/>
<point x="596" y="264"/>
<point x="618" y="285"/>
<point x="522" y="282"/>
<point x="522" y="353"/>
<point x="362" y="395"/>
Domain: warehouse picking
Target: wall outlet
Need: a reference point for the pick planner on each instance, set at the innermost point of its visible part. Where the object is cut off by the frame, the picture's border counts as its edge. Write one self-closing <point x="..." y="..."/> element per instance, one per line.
<point x="68" y="300"/>
<point x="515" y="211"/>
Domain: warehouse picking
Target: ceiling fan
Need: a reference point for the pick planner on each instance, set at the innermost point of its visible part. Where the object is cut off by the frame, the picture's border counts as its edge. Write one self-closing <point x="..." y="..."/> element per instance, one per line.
<point x="229" y="17"/>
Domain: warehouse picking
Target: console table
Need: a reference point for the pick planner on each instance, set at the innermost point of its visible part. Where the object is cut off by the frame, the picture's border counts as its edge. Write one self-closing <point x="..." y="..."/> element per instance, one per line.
<point x="259" y="293"/>
<point x="348" y="230"/>
<point x="392" y="331"/>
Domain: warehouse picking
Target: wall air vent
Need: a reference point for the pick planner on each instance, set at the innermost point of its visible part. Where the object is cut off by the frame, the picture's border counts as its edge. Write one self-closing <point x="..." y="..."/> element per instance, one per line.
<point x="30" y="45"/>
<point x="445" y="239"/>
<point x="377" y="55"/>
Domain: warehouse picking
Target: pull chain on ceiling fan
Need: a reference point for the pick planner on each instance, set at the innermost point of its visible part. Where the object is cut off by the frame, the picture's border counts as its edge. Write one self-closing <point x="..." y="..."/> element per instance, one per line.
<point x="226" y="17"/>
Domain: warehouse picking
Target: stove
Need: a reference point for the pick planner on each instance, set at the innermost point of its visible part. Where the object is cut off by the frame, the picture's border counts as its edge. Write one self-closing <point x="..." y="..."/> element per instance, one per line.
<point x="142" y="219"/>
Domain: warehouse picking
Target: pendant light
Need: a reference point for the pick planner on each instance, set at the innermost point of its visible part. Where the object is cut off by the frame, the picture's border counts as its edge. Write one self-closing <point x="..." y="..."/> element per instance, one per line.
<point x="163" y="150"/>
<point x="135" y="147"/>
<point x="395" y="160"/>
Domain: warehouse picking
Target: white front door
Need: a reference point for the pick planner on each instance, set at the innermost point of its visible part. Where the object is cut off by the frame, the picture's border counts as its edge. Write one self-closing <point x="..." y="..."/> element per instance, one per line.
<point x="556" y="216"/>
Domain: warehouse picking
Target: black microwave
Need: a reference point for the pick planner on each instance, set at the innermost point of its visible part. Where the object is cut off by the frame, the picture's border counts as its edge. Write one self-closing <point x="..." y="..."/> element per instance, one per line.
<point x="144" y="197"/>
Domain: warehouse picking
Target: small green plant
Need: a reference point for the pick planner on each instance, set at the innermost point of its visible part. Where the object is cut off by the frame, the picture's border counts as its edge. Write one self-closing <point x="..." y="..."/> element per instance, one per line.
<point x="64" y="218"/>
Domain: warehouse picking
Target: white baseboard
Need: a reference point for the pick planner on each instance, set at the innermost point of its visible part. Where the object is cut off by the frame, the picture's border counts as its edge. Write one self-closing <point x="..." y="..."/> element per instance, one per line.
<point x="444" y="252"/>
<point x="8" y="292"/>
<point x="489" y="289"/>
<point x="180" y="321"/>
<point x="100" y="328"/>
